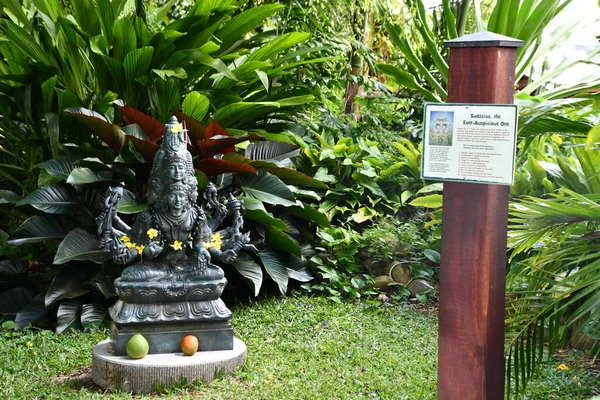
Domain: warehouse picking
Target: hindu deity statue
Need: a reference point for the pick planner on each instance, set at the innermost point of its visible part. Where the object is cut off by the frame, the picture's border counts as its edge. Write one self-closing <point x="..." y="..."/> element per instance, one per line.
<point x="172" y="287"/>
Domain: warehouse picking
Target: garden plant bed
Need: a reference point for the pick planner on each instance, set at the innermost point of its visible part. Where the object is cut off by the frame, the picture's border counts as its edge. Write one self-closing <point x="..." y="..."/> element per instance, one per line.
<point x="298" y="348"/>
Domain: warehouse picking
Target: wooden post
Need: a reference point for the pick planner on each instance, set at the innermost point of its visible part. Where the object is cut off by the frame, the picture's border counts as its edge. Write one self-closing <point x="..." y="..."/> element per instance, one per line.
<point x="474" y="232"/>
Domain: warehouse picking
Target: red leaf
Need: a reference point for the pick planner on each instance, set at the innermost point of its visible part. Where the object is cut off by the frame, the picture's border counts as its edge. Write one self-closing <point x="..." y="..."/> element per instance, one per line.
<point x="214" y="166"/>
<point x="195" y="128"/>
<point x="109" y="133"/>
<point x="146" y="148"/>
<point x="153" y="127"/>
<point x="214" y="129"/>
<point x="210" y="147"/>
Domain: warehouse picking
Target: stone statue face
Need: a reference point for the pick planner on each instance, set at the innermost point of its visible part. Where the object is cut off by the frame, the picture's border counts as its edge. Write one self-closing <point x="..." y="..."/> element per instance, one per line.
<point x="177" y="201"/>
<point x="176" y="171"/>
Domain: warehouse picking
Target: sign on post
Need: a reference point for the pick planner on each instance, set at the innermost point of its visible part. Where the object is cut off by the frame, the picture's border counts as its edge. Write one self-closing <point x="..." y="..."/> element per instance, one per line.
<point x="469" y="143"/>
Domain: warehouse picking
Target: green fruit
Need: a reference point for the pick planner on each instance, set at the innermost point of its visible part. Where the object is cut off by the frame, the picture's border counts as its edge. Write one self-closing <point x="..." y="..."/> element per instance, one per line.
<point x="137" y="347"/>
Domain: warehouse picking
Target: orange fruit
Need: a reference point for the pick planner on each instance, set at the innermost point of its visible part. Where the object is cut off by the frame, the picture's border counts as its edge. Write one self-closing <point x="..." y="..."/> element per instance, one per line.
<point x="189" y="345"/>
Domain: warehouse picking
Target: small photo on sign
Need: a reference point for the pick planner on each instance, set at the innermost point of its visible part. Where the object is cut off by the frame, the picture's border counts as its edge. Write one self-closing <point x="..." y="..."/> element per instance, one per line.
<point x="441" y="126"/>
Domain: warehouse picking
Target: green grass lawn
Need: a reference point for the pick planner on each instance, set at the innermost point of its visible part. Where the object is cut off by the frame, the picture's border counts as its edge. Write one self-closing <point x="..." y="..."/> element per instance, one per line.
<point x="298" y="348"/>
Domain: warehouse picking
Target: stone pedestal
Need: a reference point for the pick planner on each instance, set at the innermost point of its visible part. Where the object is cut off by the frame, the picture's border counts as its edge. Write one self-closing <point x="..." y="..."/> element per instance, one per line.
<point x="156" y="371"/>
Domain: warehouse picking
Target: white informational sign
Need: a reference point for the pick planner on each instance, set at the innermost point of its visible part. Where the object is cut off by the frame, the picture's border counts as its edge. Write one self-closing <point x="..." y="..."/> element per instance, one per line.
<point x="469" y="143"/>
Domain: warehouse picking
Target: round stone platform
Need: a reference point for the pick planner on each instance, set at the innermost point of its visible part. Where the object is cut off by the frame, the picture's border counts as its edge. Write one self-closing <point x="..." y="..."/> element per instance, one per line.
<point x="161" y="370"/>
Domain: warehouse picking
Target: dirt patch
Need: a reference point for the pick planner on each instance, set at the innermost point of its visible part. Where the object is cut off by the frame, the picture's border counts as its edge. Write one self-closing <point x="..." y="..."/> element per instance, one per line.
<point x="79" y="379"/>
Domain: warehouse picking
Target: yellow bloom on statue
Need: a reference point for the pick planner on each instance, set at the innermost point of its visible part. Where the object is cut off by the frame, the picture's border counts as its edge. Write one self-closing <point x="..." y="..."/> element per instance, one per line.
<point x="125" y="239"/>
<point x="177" y="128"/>
<point x="152" y="233"/>
<point x="563" y="367"/>
<point x="177" y="245"/>
<point x="130" y="245"/>
<point x="140" y="248"/>
<point x="215" y="241"/>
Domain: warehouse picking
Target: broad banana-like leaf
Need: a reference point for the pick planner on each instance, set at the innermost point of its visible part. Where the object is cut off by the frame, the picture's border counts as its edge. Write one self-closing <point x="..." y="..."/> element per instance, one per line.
<point x="273" y="151"/>
<point x="274" y="47"/>
<point x="8" y="197"/>
<point x="153" y="127"/>
<point x="212" y="146"/>
<point x="32" y="312"/>
<point x="430" y="201"/>
<point x="195" y="105"/>
<point x="265" y="218"/>
<point x="231" y="114"/>
<point x="80" y="245"/>
<point x="54" y="199"/>
<point x="81" y="176"/>
<point x="213" y="166"/>
<point x="407" y="80"/>
<point x="93" y="315"/>
<point x="267" y="188"/>
<point x="68" y="316"/>
<point x="42" y="227"/>
<point x="310" y="214"/>
<point x="275" y="268"/>
<point x="238" y="26"/>
<point x="124" y="39"/>
<point x="146" y="148"/>
<point x="111" y="134"/>
<point x="26" y="43"/>
<point x="13" y="300"/>
<point x="289" y="176"/>
<point x="250" y="270"/>
<point x="128" y="204"/>
<point x="69" y="283"/>
<point x="277" y="240"/>
<point x="12" y="268"/>
<point x="296" y="268"/>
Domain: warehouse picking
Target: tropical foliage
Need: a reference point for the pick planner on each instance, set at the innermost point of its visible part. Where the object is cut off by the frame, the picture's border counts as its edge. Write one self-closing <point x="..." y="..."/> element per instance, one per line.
<point x="65" y="137"/>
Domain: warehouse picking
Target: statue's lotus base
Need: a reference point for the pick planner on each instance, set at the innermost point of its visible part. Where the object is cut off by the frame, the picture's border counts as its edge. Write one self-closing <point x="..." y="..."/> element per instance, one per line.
<point x="157" y="371"/>
<point x="166" y="338"/>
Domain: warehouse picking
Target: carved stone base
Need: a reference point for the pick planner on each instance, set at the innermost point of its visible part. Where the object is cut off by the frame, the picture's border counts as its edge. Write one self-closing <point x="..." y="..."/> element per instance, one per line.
<point x="166" y="338"/>
<point x="178" y="311"/>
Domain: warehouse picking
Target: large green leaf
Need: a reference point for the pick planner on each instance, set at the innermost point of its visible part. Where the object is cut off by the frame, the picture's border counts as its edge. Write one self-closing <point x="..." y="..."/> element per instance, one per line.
<point x="264" y="218"/>
<point x="431" y="201"/>
<point x="54" y="199"/>
<point x="278" y="240"/>
<point x="310" y="214"/>
<point x="137" y="62"/>
<point x="13" y="300"/>
<point x="26" y="43"/>
<point x="250" y="270"/>
<point x="129" y="205"/>
<point x="271" y="151"/>
<point x="12" y="268"/>
<point x="283" y="42"/>
<point x="32" y="312"/>
<point x="244" y="22"/>
<point x="40" y="228"/>
<point x="267" y="188"/>
<point x="68" y="316"/>
<point x="195" y="105"/>
<point x="231" y="114"/>
<point x="69" y="283"/>
<point x="8" y="197"/>
<point x="275" y="268"/>
<point x="93" y="315"/>
<point x="291" y="176"/>
<point x="80" y="245"/>
<point x="81" y="176"/>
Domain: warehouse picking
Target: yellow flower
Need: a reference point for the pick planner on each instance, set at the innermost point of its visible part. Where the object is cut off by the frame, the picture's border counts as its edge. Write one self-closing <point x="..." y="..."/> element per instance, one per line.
<point x="215" y="241"/>
<point x="125" y="239"/>
<point x="28" y="344"/>
<point x="34" y="353"/>
<point x="563" y="367"/>
<point x="140" y="248"/>
<point x="152" y="233"/>
<point x="177" y="128"/>
<point x="177" y="245"/>
<point x="130" y="245"/>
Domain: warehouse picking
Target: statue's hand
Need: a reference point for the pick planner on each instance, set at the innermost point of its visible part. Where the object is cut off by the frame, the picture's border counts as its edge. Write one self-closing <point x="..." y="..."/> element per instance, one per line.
<point x="228" y="256"/>
<point x="203" y="253"/>
<point x="153" y="249"/>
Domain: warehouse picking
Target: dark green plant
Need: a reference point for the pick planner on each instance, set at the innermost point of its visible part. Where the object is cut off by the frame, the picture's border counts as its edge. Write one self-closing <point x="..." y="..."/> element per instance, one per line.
<point x="213" y="61"/>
